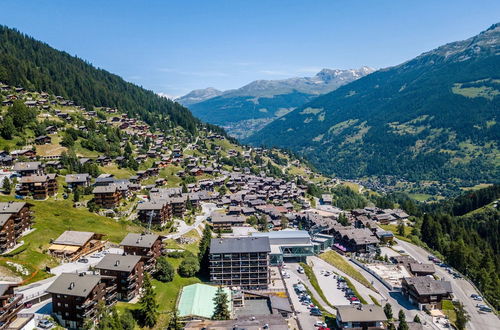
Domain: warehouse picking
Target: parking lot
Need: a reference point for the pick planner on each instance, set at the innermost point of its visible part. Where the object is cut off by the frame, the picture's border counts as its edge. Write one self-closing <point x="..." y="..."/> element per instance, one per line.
<point x="306" y="320"/>
<point x="331" y="286"/>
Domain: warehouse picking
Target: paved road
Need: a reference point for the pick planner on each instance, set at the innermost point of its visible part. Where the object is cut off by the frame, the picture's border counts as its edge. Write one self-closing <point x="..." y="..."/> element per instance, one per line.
<point x="183" y="228"/>
<point x="462" y="290"/>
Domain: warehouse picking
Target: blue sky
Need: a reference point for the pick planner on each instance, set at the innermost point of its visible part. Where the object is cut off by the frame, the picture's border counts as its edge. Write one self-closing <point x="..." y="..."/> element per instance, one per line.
<point x="173" y="47"/>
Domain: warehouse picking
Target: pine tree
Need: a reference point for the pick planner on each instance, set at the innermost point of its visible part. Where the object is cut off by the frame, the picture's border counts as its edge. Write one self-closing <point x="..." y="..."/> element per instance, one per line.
<point x="7" y="186"/>
<point x="401" y="228"/>
<point x="462" y="317"/>
<point x="174" y="323"/>
<point x="416" y="319"/>
<point x="8" y="128"/>
<point x="402" y="321"/>
<point x="388" y="311"/>
<point x="164" y="270"/>
<point x="221" y="311"/>
<point x="148" y="309"/>
<point x="76" y="195"/>
<point x="127" y="320"/>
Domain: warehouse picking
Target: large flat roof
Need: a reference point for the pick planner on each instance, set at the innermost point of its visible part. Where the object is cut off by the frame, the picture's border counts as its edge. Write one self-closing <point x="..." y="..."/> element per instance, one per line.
<point x="240" y="245"/>
<point x="197" y="300"/>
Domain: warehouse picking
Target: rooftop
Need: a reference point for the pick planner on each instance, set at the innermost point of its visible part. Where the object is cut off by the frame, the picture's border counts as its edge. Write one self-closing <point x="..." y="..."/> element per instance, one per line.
<point x="240" y="245"/>
<point x="70" y="237"/>
<point x="361" y="313"/>
<point x="123" y="263"/>
<point x="74" y="284"/>
<point x="197" y="300"/>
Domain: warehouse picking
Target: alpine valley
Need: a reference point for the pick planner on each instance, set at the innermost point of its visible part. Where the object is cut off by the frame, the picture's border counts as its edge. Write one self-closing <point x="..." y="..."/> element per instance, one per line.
<point x="432" y="119"/>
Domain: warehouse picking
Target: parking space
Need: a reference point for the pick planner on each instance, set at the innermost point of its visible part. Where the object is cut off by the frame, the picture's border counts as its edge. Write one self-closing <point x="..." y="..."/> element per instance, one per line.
<point x="84" y="263"/>
<point x="304" y="317"/>
<point x="333" y="287"/>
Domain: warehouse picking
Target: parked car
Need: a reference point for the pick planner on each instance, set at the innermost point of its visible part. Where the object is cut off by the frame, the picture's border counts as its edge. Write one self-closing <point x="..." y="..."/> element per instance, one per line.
<point x="320" y="324"/>
<point x="316" y="312"/>
<point x="485" y="309"/>
<point x="300" y="270"/>
<point x="45" y="324"/>
<point x="83" y="260"/>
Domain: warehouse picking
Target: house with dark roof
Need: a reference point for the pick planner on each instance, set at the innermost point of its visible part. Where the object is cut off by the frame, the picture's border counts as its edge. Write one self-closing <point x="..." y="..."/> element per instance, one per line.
<point x="76" y="298"/>
<point x="147" y="246"/>
<point x="426" y="292"/>
<point x="28" y="168"/>
<point x="39" y="186"/>
<point x="107" y="197"/>
<point x="20" y="213"/>
<point x="242" y="262"/>
<point x="157" y="211"/>
<point x="128" y="272"/>
<point x="224" y="222"/>
<point x="71" y="245"/>
<point x="77" y="180"/>
<point x="360" y="317"/>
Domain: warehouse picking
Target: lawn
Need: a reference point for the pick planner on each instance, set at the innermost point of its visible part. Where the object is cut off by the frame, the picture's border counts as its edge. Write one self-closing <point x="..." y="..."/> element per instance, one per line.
<point x="52" y="218"/>
<point x="420" y="197"/>
<point x="314" y="281"/>
<point x="449" y="310"/>
<point x="119" y="173"/>
<point x="336" y="260"/>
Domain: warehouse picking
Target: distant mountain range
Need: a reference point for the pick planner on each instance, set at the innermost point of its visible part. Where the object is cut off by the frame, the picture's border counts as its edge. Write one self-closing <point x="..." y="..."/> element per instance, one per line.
<point x="434" y="117"/>
<point x="247" y="109"/>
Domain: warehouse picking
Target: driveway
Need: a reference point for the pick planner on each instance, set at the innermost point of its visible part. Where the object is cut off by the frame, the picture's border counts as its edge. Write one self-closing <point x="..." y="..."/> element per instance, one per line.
<point x="303" y="317"/>
<point x="183" y="228"/>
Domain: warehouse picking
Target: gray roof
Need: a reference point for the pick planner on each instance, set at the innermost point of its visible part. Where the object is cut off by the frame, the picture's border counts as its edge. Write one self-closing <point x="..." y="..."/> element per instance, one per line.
<point x="240" y="245"/>
<point x="3" y="218"/>
<point x="417" y="267"/>
<point x="72" y="178"/>
<point x="140" y="240"/>
<point x="123" y="263"/>
<point x="280" y="303"/>
<point x="360" y="313"/>
<point x="27" y="166"/>
<point x="104" y="189"/>
<point x="156" y="204"/>
<point x="424" y="285"/>
<point x="74" y="284"/>
<point x="70" y="237"/>
<point x="11" y="207"/>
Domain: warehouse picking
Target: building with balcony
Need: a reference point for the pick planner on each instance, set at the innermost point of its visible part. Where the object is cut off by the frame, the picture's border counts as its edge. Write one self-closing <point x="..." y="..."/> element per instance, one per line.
<point x="128" y="272"/>
<point x="361" y="317"/>
<point x="426" y="292"/>
<point x="10" y="305"/>
<point x="75" y="298"/>
<point x="158" y="211"/>
<point x="16" y="218"/>
<point x="147" y="246"/>
<point x="107" y="197"/>
<point x="242" y="262"/>
<point x="72" y="245"/>
<point x="39" y="186"/>
<point x="28" y="168"/>
<point x="77" y="180"/>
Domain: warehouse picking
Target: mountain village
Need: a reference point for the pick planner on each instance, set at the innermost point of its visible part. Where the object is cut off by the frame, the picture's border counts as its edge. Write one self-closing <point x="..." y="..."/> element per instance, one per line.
<point x="279" y="255"/>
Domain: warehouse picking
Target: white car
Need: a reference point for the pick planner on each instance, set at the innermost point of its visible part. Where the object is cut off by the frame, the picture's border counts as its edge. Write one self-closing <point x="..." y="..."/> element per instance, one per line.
<point x="320" y="324"/>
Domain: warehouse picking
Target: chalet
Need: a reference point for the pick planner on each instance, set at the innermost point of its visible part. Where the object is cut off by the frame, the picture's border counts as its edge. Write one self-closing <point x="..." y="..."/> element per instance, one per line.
<point x="21" y="213"/>
<point x="225" y="222"/>
<point x="77" y="298"/>
<point x="103" y="160"/>
<point x="107" y="197"/>
<point x="327" y="199"/>
<point x="418" y="269"/>
<point x="39" y="186"/>
<point x="10" y="305"/>
<point x="71" y="245"/>
<point x="147" y="246"/>
<point x="128" y="272"/>
<point x="28" y="168"/>
<point x="426" y="292"/>
<point x="360" y="317"/>
<point x="55" y="164"/>
<point x="6" y="160"/>
<point x="30" y="104"/>
<point x="355" y="240"/>
<point x="158" y="212"/>
<point x="78" y="180"/>
<point x="43" y="139"/>
<point x="8" y="233"/>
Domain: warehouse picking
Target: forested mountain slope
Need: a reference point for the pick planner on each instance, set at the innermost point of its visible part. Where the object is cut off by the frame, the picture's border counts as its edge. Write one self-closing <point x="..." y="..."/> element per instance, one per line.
<point x="431" y="118"/>
<point x="35" y="65"/>
<point x="246" y="110"/>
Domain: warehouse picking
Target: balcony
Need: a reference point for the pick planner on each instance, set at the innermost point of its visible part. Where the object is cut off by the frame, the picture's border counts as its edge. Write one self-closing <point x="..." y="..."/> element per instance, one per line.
<point x="87" y="304"/>
<point x="111" y="288"/>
